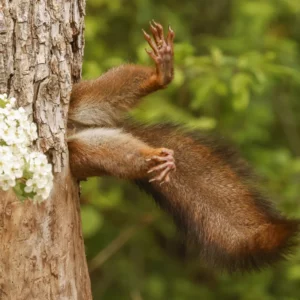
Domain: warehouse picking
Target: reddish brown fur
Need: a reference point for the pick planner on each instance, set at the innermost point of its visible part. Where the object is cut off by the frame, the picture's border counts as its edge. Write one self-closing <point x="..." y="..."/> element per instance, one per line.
<point x="214" y="200"/>
<point x="211" y="195"/>
<point x="102" y="101"/>
<point x="101" y="151"/>
<point x="130" y="80"/>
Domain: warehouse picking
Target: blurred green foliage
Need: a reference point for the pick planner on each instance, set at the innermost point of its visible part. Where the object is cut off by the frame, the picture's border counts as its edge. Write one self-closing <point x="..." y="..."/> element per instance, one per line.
<point x="237" y="74"/>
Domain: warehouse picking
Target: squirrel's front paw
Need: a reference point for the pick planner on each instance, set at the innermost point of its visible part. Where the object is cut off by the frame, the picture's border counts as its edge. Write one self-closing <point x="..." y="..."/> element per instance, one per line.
<point x="162" y="52"/>
<point x="164" y="164"/>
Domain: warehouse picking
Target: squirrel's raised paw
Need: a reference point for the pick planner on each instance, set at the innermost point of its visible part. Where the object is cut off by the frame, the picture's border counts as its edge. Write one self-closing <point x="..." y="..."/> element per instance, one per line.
<point x="162" y="52"/>
<point x="164" y="163"/>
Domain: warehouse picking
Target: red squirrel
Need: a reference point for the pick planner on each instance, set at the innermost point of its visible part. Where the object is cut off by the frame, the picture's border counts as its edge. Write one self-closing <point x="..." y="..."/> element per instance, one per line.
<point x="205" y="187"/>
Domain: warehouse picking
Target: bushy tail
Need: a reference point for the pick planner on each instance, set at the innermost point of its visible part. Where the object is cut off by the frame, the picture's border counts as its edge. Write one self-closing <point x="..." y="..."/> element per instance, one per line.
<point x="212" y="198"/>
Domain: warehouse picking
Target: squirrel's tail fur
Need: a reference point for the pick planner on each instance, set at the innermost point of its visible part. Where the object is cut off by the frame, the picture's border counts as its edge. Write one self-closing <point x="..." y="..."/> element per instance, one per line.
<point x="213" y="200"/>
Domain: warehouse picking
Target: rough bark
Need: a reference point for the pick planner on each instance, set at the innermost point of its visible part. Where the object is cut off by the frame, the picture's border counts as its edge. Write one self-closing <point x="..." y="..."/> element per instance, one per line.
<point x="42" y="251"/>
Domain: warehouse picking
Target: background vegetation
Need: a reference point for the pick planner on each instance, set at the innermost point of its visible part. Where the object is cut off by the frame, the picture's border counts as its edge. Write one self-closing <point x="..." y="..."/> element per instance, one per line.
<point x="237" y="74"/>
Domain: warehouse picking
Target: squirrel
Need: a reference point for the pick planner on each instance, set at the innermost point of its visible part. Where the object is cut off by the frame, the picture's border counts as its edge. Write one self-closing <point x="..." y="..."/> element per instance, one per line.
<point x="207" y="188"/>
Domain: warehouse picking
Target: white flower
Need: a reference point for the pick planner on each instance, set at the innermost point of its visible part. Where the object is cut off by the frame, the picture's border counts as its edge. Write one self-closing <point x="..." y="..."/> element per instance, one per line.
<point x="17" y="162"/>
<point x="12" y="101"/>
<point x="28" y="189"/>
<point x="9" y="136"/>
<point x="3" y="126"/>
<point x="6" y="182"/>
<point x="14" y="115"/>
<point x="3" y="97"/>
<point x="22" y="110"/>
<point x="4" y="111"/>
<point x="4" y="186"/>
<point x="42" y="176"/>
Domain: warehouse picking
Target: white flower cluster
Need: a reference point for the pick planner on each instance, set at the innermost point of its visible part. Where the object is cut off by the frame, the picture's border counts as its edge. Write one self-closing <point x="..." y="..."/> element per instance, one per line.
<point x="26" y="171"/>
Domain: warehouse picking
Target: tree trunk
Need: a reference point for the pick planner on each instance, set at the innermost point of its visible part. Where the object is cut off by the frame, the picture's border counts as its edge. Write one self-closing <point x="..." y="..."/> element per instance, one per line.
<point x="42" y="250"/>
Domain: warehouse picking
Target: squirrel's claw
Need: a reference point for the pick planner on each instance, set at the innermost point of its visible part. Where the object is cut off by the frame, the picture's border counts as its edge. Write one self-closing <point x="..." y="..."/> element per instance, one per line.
<point x="162" y="51"/>
<point x="166" y="164"/>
